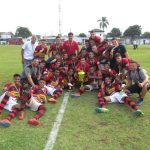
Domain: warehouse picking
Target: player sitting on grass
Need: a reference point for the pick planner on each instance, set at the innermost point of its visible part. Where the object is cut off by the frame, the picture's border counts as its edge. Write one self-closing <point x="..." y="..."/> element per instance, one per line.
<point x="35" y="103"/>
<point x="55" y="86"/>
<point x="112" y="93"/>
<point x="32" y="100"/>
<point x="8" y="101"/>
<point x="55" y="93"/>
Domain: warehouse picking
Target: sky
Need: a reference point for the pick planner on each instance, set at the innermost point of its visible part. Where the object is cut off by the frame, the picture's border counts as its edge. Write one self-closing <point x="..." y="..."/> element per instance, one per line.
<point x="77" y="16"/>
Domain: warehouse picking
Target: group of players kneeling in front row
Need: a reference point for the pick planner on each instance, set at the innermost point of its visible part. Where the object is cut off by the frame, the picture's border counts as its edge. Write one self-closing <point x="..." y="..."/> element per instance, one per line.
<point x="110" y="85"/>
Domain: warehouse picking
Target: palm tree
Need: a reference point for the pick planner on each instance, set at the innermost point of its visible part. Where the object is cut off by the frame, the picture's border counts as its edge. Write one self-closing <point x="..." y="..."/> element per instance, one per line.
<point x="103" y="23"/>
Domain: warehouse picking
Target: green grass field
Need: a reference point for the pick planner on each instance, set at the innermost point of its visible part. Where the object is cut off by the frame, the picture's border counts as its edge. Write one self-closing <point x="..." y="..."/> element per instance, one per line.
<point x="81" y="128"/>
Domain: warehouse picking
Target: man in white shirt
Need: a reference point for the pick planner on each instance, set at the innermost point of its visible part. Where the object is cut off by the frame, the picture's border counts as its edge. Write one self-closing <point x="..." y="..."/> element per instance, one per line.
<point x="27" y="51"/>
<point x="135" y="45"/>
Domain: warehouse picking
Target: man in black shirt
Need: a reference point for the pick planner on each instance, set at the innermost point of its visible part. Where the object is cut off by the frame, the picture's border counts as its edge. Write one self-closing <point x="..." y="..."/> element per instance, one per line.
<point x="117" y="48"/>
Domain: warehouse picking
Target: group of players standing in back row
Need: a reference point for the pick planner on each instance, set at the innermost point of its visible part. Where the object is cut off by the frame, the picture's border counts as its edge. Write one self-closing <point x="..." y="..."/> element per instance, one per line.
<point x="99" y="65"/>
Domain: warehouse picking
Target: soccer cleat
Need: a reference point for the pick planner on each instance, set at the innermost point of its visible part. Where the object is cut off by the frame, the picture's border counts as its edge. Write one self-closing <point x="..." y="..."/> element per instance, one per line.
<point x="76" y="95"/>
<point x="139" y="113"/>
<point x="33" y="122"/>
<point x="5" y="123"/>
<point x="52" y="100"/>
<point x="139" y="102"/>
<point x="21" y="115"/>
<point x="101" y="110"/>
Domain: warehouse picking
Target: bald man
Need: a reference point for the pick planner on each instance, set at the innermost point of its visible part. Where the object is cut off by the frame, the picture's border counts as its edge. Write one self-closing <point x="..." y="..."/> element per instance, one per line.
<point x="27" y="51"/>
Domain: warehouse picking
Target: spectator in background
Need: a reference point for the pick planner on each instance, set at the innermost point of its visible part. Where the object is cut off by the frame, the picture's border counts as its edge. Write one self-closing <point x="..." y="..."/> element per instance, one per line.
<point x="135" y="45"/>
<point x="27" y="51"/>
<point x="70" y="46"/>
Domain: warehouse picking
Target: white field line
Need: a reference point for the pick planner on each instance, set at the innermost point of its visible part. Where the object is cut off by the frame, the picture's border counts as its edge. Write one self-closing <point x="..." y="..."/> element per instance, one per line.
<point x="53" y="134"/>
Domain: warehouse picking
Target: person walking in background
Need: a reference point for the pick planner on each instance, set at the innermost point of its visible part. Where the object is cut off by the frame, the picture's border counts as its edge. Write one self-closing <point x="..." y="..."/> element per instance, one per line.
<point x="135" y="45"/>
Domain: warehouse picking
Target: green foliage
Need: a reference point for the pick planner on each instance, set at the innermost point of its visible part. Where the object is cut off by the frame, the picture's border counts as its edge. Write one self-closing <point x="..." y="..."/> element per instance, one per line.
<point x="103" y="23"/>
<point x="133" y="31"/>
<point x="22" y="32"/>
<point x="82" y="35"/>
<point x="146" y="35"/>
<point x="115" y="32"/>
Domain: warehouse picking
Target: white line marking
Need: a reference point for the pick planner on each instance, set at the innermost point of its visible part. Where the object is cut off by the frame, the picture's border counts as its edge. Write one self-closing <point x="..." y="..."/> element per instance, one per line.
<point x="53" y="134"/>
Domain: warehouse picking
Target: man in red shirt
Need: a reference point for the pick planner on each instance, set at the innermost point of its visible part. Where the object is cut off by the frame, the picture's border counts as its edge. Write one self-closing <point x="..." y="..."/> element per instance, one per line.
<point x="56" y="47"/>
<point x="83" y="53"/>
<point x="94" y="37"/>
<point x="70" y="46"/>
<point x="92" y="60"/>
<point x="82" y="65"/>
<point x="121" y="65"/>
<point x="73" y="61"/>
<point x="41" y="50"/>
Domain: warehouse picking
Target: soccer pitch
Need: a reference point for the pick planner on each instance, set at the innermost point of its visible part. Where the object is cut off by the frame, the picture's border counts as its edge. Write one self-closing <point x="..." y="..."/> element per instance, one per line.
<point x="81" y="128"/>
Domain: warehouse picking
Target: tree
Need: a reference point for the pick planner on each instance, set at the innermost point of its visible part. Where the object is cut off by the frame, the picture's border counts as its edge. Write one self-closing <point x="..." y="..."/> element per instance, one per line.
<point x="146" y="35"/>
<point x="115" y="32"/>
<point x="82" y="35"/>
<point x="133" y="31"/>
<point x="103" y="23"/>
<point x="22" y="32"/>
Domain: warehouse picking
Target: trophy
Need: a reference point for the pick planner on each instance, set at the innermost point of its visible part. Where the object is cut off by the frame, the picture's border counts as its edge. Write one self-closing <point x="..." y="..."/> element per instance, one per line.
<point x="70" y="87"/>
<point x="81" y="75"/>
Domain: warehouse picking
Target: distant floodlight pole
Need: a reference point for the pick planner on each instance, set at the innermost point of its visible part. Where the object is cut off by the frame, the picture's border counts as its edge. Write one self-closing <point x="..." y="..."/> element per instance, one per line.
<point x="60" y="23"/>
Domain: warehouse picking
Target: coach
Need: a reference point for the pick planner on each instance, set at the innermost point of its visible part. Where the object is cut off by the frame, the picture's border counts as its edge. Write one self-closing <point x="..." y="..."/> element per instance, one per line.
<point x="27" y="51"/>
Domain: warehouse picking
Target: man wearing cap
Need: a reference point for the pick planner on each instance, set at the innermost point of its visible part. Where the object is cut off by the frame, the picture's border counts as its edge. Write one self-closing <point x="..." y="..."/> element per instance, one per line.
<point x="70" y="46"/>
<point x="27" y="51"/>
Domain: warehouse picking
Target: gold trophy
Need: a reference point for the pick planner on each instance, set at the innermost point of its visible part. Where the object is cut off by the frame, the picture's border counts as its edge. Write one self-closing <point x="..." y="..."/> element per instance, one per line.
<point x="81" y="75"/>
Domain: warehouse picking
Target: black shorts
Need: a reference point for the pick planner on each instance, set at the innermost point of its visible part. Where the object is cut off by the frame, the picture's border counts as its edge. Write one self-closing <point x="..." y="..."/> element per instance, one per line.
<point x="134" y="88"/>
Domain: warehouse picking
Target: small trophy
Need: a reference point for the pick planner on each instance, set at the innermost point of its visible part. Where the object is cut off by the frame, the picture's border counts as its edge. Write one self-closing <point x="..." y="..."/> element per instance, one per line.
<point x="81" y="75"/>
<point x="70" y="87"/>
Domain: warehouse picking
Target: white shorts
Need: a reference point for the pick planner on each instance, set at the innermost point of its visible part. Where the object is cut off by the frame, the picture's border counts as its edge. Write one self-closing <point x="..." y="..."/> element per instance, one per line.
<point x="11" y="102"/>
<point x="50" y="89"/>
<point x="34" y="104"/>
<point x="118" y="97"/>
<point x="92" y="87"/>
